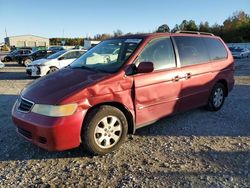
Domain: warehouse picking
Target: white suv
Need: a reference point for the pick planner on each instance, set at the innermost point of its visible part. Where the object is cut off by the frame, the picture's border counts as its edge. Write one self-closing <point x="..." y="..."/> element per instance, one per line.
<point x="53" y="62"/>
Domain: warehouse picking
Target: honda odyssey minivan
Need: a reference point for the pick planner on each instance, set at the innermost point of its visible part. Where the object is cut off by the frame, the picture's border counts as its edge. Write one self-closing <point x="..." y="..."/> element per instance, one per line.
<point x="123" y="84"/>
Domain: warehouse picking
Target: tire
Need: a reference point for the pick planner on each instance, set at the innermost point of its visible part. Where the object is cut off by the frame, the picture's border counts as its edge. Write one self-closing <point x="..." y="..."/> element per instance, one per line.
<point x="100" y="138"/>
<point x="52" y="69"/>
<point x="26" y="62"/>
<point x="7" y="59"/>
<point x="217" y="97"/>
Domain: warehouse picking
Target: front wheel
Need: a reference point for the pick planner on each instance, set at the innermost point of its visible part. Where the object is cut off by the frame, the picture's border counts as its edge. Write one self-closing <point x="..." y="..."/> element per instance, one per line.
<point x="217" y="97"/>
<point x="26" y="62"/>
<point x="52" y="69"/>
<point x="105" y="129"/>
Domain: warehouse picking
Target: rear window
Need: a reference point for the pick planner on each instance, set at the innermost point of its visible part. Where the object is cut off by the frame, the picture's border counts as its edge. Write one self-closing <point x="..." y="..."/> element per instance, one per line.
<point x="215" y="48"/>
<point x="192" y="50"/>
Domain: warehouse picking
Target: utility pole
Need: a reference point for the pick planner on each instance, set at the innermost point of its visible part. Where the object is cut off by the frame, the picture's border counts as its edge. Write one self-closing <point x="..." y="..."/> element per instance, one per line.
<point x="6" y="33"/>
<point x="63" y="41"/>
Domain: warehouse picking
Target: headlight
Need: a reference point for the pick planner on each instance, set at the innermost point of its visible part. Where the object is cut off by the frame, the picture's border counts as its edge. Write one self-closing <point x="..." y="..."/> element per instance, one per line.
<point x="54" y="110"/>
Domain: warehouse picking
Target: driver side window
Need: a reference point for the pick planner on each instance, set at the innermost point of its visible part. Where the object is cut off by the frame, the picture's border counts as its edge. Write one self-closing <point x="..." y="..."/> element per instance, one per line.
<point x="160" y="52"/>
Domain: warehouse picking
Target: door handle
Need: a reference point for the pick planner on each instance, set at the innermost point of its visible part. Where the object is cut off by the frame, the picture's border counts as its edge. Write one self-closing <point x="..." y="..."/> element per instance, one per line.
<point x="176" y="79"/>
<point x="188" y="76"/>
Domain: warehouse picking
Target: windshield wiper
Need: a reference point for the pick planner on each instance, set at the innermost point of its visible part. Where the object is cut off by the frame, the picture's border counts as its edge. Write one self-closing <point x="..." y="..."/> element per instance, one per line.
<point x="87" y="68"/>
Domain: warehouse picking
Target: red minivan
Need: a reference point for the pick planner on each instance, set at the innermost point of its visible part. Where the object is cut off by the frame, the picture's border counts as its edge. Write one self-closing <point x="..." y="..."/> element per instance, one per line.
<point x="123" y="84"/>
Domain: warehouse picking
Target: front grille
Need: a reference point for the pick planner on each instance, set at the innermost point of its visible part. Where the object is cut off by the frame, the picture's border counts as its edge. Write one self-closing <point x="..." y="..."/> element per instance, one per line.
<point x="25" y="133"/>
<point x="38" y="71"/>
<point x="28" y="71"/>
<point x="25" y="105"/>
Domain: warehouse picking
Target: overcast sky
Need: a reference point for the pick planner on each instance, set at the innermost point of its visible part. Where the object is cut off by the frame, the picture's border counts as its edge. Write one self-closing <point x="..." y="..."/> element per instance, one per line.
<point x="81" y="18"/>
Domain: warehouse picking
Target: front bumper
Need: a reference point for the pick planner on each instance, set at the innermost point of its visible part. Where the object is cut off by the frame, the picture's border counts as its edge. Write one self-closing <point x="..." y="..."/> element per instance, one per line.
<point x="50" y="133"/>
<point x="37" y="70"/>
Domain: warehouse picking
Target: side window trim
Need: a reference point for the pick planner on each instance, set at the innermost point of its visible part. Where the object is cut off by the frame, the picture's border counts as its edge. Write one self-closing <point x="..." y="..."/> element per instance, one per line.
<point x="174" y="51"/>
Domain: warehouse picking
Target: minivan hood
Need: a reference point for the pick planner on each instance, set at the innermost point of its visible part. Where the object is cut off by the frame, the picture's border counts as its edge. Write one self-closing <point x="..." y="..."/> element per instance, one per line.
<point x="53" y="88"/>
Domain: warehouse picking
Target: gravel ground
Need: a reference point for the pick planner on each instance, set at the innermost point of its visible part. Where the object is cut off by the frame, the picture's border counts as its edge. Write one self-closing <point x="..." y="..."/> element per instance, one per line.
<point x="192" y="149"/>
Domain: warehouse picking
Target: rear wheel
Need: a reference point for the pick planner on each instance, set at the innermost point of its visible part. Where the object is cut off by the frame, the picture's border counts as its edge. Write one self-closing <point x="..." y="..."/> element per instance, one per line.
<point x="217" y="97"/>
<point x="104" y="130"/>
<point x="7" y="59"/>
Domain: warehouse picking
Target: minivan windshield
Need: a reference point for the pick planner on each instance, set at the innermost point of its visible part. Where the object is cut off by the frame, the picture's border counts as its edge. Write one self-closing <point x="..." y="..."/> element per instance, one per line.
<point x="108" y="56"/>
<point x="56" y="55"/>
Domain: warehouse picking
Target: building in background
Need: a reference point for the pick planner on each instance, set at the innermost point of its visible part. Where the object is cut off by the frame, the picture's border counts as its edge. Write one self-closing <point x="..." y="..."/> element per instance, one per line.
<point x="90" y="43"/>
<point x="26" y="41"/>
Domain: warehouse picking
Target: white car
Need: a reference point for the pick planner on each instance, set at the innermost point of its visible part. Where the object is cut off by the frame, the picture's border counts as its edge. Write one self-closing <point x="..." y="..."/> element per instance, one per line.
<point x="53" y="62"/>
<point x="240" y="52"/>
<point x="1" y="64"/>
<point x="105" y="57"/>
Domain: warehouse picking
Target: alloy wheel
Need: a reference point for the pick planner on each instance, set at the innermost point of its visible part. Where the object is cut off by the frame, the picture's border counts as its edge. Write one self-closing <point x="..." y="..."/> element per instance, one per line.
<point x="108" y="132"/>
<point x="218" y="97"/>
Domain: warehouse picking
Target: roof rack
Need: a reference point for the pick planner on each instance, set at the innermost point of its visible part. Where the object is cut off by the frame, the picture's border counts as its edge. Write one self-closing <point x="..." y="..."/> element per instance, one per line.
<point x="195" y="32"/>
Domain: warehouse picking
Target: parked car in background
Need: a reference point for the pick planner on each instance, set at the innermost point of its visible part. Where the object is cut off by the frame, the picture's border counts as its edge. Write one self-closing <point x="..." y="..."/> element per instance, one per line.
<point x="53" y="62"/>
<point x="19" y="52"/>
<point x="1" y="64"/>
<point x="96" y="104"/>
<point x="105" y="55"/>
<point x="55" y="49"/>
<point x="240" y="52"/>
<point x="79" y="47"/>
<point x="231" y="48"/>
<point x="39" y="48"/>
<point x="26" y="59"/>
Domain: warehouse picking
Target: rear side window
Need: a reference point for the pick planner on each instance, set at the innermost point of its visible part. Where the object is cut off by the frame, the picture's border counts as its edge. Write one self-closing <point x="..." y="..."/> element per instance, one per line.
<point x="160" y="52"/>
<point x="216" y="48"/>
<point x="71" y="55"/>
<point x="192" y="50"/>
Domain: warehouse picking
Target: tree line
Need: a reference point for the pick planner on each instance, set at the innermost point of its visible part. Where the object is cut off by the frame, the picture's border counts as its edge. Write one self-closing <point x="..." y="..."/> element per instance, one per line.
<point x="235" y="28"/>
<point x="67" y="41"/>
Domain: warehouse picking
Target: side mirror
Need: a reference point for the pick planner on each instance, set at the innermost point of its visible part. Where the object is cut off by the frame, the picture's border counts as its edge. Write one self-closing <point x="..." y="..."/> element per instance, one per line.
<point x="61" y="58"/>
<point x="145" y="67"/>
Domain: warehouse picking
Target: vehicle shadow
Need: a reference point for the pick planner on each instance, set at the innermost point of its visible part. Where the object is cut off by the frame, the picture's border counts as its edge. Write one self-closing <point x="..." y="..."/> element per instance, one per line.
<point x="12" y="64"/>
<point x="200" y="122"/>
<point x="232" y="120"/>
<point x="235" y="162"/>
<point x="14" y="76"/>
<point x="240" y="67"/>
